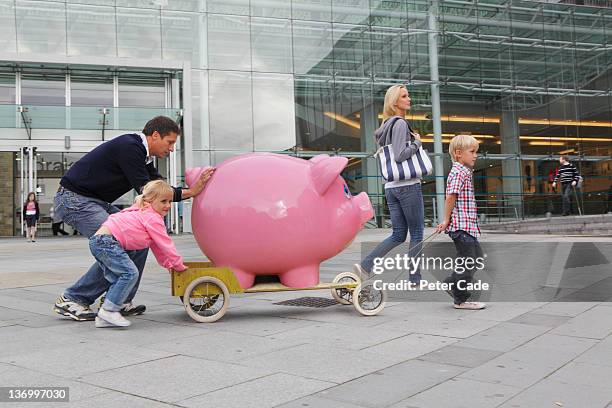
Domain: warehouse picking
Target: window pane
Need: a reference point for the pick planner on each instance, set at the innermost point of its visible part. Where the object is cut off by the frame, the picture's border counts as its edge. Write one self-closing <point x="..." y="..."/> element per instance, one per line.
<point x="41" y="27"/>
<point x="229" y="44"/>
<point x="351" y="11"/>
<point x="91" y="31"/>
<point x="8" y="36"/>
<point x="273" y="111"/>
<point x="314" y="10"/>
<point x="240" y="7"/>
<point x="93" y="2"/>
<point x="141" y="95"/>
<point x="199" y="106"/>
<point x="271" y="42"/>
<point x="312" y="48"/>
<point x="138" y="32"/>
<point x="43" y="92"/>
<point x="184" y="37"/>
<point x="91" y="93"/>
<point x="7" y="88"/>
<point x="231" y="111"/>
<point x="271" y="8"/>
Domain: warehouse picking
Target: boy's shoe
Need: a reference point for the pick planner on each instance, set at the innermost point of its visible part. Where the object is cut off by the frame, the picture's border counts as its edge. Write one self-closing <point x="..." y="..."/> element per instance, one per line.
<point x="470" y="305"/>
<point x="129" y="309"/>
<point x="74" y="310"/>
<point x="362" y="273"/>
<point x="112" y="318"/>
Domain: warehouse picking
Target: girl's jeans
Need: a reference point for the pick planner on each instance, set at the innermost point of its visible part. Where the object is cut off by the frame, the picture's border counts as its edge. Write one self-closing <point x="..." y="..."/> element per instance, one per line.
<point x="117" y="267"/>
<point x="407" y="214"/>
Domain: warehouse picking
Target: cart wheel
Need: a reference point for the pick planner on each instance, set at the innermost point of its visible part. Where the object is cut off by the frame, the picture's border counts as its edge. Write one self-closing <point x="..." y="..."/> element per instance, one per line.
<point x="342" y="295"/>
<point x="367" y="300"/>
<point x="203" y="307"/>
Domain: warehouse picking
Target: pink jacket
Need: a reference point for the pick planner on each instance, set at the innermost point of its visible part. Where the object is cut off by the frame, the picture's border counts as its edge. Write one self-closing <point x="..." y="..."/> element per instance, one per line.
<point x="139" y="229"/>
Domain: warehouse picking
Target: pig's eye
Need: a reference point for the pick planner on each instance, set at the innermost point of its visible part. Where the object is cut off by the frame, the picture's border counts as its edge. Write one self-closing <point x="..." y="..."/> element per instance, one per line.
<point x="347" y="192"/>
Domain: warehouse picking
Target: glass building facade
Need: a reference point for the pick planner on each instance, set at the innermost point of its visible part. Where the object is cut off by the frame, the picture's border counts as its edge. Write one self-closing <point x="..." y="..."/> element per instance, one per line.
<point x="530" y="80"/>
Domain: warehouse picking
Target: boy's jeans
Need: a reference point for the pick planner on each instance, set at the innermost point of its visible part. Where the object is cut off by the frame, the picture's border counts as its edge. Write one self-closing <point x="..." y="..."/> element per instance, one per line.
<point x="467" y="247"/>
<point x="407" y="214"/>
<point x="118" y="269"/>
<point x="86" y="215"/>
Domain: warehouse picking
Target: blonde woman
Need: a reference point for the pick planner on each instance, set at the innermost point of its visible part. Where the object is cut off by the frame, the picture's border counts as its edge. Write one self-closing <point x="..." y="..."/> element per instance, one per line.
<point x="404" y="197"/>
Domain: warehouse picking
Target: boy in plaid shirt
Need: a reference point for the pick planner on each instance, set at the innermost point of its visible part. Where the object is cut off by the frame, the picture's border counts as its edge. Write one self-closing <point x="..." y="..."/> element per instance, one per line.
<point x="460" y="218"/>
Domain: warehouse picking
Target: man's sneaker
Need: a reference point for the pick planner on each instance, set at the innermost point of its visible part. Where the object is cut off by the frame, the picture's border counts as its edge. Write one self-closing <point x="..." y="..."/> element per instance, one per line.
<point x="129" y="309"/>
<point x="112" y="318"/>
<point x="74" y="310"/>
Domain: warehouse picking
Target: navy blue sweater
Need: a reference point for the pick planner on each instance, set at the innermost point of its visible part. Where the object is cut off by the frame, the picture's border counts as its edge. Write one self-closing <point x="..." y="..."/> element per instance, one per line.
<point x="112" y="169"/>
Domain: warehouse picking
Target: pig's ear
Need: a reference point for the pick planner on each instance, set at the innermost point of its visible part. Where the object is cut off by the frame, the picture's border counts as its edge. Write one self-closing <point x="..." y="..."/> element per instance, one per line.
<point x="318" y="158"/>
<point x="192" y="174"/>
<point x="325" y="171"/>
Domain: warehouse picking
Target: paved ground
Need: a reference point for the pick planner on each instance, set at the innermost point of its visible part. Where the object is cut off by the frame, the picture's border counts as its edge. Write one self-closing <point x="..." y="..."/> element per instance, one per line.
<point x="415" y="354"/>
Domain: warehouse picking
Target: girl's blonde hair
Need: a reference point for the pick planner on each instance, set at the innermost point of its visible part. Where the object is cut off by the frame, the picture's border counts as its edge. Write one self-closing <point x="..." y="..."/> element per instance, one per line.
<point x="391" y="97"/>
<point x="151" y="191"/>
<point x="461" y="142"/>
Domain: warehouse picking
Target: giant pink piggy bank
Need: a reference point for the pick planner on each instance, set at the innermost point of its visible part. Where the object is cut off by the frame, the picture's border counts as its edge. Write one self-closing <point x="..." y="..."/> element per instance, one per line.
<point x="269" y="214"/>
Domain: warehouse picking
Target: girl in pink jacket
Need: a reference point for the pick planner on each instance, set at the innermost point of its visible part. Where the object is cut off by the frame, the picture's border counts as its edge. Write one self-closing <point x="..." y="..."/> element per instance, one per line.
<point x="138" y="227"/>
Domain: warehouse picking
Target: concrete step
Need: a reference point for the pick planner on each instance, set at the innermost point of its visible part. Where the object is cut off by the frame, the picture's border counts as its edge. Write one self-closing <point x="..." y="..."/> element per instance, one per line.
<point x="600" y="224"/>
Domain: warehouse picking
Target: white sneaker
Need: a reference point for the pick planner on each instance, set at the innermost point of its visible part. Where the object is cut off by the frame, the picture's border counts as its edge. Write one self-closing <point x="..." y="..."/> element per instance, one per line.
<point x="470" y="306"/>
<point x="103" y="323"/>
<point x="113" y="318"/>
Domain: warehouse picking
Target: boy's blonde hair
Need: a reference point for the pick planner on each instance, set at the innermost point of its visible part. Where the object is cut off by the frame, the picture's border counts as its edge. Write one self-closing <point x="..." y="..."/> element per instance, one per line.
<point x="151" y="191"/>
<point x="391" y="97"/>
<point x="461" y="142"/>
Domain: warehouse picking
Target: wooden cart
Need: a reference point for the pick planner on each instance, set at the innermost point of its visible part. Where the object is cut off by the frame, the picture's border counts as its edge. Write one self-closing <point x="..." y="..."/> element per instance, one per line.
<point x="205" y="291"/>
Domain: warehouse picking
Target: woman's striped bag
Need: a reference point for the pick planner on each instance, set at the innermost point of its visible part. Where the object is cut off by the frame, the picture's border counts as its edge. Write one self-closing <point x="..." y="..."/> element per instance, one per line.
<point x="416" y="166"/>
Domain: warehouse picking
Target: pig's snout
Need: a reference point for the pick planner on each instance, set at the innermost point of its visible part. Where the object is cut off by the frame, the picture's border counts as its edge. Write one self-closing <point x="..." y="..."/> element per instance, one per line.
<point x="366" y="212"/>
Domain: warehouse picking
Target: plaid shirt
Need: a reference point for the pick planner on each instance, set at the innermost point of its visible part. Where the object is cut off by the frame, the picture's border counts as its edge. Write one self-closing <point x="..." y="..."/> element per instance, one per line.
<point x="464" y="215"/>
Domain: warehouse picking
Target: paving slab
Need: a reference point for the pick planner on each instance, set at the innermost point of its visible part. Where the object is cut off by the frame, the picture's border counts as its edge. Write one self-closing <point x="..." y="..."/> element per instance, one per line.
<point x="347" y="335"/>
<point x="445" y="326"/>
<point x="411" y="345"/>
<point x="539" y="319"/>
<point x="570" y="309"/>
<point x="101" y="355"/>
<point x="13" y="376"/>
<point x="503" y="337"/>
<point x="460" y="393"/>
<point x="393" y="384"/>
<point x="333" y="364"/>
<point x="224" y="346"/>
<point x="113" y="399"/>
<point x="592" y="375"/>
<point x="264" y="392"/>
<point x="318" y="402"/>
<point x="550" y="393"/>
<point x="460" y="356"/>
<point x="175" y="378"/>
<point x="594" y="323"/>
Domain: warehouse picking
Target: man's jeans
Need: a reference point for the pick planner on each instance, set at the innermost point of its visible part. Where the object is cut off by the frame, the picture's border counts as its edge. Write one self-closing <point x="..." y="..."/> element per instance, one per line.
<point x="86" y="215"/>
<point x="467" y="247"/>
<point x="566" y="189"/>
<point x="118" y="269"/>
<point x="407" y="214"/>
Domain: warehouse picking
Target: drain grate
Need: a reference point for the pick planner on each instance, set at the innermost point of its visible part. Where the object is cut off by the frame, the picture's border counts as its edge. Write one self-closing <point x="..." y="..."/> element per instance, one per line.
<point x="309" y="302"/>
